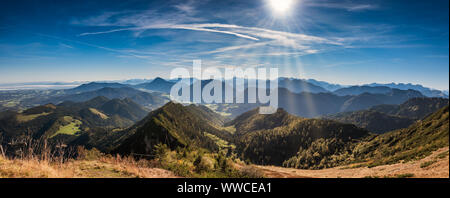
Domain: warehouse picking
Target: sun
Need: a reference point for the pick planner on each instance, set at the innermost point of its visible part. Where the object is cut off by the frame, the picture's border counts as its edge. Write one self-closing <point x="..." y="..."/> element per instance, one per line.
<point x="281" y="6"/>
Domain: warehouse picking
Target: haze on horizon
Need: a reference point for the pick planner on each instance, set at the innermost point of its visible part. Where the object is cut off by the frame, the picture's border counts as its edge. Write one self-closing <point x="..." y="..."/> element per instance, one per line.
<point x="345" y="42"/>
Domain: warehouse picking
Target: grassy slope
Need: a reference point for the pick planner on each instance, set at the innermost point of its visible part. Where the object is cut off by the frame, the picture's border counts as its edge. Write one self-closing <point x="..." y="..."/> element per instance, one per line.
<point x="414" y="142"/>
<point x="104" y="167"/>
<point x="72" y="128"/>
<point x="26" y="118"/>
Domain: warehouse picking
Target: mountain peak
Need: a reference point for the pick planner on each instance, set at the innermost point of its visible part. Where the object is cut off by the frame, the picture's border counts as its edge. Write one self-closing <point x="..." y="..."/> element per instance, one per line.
<point x="95" y="86"/>
<point x="158" y="80"/>
<point x="174" y="125"/>
<point x="252" y="120"/>
<point x="99" y="98"/>
<point x="158" y="84"/>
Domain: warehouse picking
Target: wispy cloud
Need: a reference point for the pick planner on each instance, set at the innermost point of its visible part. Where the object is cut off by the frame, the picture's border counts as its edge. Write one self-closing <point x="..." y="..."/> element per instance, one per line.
<point x="249" y="38"/>
<point x="279" y="38"/>
<point x="236" y="47"/>
<point x="63" y="45"/>
<point x="346" y="63"/>
<point x="122" y="52"/>
<point x="187" y="7"/>
<point x="349" y="6"/>
<point x="437" y="56"/>
<point x="195" y="27"/>
<point x="274" y="53"/>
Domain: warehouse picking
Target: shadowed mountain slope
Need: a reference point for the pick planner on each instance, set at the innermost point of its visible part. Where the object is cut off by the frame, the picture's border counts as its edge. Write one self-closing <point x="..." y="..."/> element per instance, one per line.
<point x="373" y="121"/>
<point x="414" y="142"/>
<point x="383" y="118"/>
<point x="174" y="125"/>
<point x="272" y="139"/>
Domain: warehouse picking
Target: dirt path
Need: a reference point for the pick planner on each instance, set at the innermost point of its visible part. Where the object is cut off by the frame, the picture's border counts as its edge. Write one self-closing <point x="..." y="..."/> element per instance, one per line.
<point x="438" y="169"/>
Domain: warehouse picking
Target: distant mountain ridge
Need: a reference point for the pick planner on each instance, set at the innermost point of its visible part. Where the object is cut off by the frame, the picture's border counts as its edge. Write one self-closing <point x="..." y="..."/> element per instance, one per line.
<point x="149" y="100"/>
<point x="312" y="105"/>
<point x="293" y="84"/>
<point x="24" y="99"/>
<point x="328" y="86"/>
<point x="424" y="90"/>
<point x="357" y="90"/>
<point x="298" y="86"/>
<point x="310" y="101"/>
<point x="158" y="84"/>
<point x="94" y="86"/>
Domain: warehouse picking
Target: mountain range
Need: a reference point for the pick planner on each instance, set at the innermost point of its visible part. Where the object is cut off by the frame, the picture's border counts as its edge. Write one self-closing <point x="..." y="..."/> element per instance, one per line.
<point x="69" y="118"/>
<point x="146" y="99"/>
<point x="311" y="105"/>
<point x="293" y="84"/>
<point x="298" y="86"/>
<point x="424" y="90"/>
<point x="311" y="101"/>
<point x="158" y="84"/>
<point x="313" y="128"/>
<point x="281" y="138"/>
<point x="120" y="126"/>
<point x="314" y="86"/>
<point x="93" y="86"/>
<point x="328" y="86"/>
<point x="284" y="139"/>
<point x="159" y="87"/>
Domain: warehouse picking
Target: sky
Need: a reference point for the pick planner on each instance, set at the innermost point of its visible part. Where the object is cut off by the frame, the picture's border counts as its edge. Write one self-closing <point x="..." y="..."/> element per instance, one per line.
<point x="342" y="41"/>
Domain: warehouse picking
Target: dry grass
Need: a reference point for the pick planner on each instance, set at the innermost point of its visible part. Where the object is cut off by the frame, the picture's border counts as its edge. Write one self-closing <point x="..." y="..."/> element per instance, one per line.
<point x="37" y="160"/>
<point x="100" y="114"/>
<point x="141" y="168"/>
<point x="30" y="168"/>
<point x="105" y="167"/>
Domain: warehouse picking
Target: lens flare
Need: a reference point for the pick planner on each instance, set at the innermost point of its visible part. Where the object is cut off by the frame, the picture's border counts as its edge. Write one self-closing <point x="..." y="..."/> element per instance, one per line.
<point x="281" y="6"/>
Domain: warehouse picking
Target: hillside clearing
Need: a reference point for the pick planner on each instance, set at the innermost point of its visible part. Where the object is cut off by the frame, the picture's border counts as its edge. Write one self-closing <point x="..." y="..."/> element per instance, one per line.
<point x="26" y="118"/>
<point x="70" y="129"/>
<point x="98" y="113"/>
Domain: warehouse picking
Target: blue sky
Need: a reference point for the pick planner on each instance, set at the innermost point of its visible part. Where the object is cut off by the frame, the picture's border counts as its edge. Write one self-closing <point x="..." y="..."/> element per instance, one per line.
<point x="346" y="42"/>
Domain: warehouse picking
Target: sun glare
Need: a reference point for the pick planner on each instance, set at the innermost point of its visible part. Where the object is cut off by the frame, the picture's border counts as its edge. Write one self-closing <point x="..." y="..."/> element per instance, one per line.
<point x="281" y="6"/>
